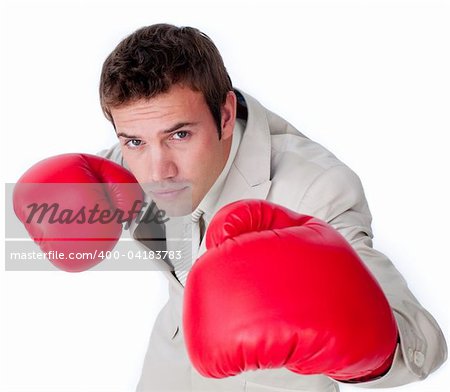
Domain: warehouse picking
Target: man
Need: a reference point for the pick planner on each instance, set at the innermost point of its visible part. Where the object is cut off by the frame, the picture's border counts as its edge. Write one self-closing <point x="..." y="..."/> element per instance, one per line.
<point x="195" y="145"/>
<point x="192" y="140"/>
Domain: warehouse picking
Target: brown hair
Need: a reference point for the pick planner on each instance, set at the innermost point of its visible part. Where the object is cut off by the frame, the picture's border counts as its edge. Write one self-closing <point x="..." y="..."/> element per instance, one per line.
<point x="150" y="60"/>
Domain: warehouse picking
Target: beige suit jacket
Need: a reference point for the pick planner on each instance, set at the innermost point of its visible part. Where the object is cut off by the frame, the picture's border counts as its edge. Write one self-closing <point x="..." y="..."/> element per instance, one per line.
<point x="277" y="163"/>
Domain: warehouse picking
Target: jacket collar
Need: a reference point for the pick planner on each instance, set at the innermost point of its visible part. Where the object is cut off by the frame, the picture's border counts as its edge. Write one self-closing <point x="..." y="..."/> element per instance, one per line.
<point x="249" y="176"/>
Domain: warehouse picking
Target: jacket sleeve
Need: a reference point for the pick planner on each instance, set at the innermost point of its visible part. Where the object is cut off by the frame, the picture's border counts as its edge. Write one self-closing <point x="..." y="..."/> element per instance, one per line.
<point x="337" y="196"/>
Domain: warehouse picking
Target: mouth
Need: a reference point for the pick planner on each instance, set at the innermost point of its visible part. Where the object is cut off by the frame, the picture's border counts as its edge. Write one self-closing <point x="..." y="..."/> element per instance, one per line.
<point x="167" y="194"/>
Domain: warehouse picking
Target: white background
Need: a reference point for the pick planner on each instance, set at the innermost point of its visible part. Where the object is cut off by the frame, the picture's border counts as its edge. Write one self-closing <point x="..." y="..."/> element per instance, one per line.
<point x="367" y="79"/>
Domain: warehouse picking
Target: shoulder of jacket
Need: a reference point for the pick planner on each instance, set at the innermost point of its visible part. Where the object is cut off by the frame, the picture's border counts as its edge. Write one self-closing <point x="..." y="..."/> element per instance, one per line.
<point x="113" y="154"/>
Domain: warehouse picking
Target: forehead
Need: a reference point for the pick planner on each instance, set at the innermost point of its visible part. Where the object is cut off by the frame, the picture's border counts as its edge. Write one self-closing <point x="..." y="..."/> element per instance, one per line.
<point x="177" y="101"/>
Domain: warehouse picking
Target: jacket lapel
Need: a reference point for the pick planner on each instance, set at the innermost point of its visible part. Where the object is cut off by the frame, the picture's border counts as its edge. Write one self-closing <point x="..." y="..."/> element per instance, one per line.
<point x="249" y="176"/>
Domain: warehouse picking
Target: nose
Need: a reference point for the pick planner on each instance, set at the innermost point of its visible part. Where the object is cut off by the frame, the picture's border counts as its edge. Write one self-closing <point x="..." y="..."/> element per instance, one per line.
<point x="161" y="166"/>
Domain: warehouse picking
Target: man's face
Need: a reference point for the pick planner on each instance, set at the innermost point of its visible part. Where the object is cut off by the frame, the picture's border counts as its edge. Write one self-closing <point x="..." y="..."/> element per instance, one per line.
<point x="171" y="145"/>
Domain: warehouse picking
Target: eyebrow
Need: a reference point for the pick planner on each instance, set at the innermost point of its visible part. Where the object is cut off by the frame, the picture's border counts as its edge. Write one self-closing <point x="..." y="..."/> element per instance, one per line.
<point x="170" y="130"/>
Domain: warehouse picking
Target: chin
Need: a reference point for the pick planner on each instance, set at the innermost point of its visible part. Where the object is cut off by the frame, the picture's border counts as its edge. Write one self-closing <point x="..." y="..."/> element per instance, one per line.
<point x="175" y="207"/>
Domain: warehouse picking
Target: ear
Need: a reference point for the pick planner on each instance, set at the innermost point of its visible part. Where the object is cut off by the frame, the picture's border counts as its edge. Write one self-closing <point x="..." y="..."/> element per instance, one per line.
<point x="228" y="113"/>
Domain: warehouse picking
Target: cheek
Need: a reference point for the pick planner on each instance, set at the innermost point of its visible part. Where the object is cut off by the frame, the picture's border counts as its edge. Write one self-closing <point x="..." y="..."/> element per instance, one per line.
<point x="200" y="162"/>
<point x="133" y="165"/>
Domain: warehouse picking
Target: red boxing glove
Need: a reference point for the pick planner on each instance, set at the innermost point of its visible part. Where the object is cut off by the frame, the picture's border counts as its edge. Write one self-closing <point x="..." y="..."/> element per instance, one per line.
<point x="279" y="289"/>
<point x="76" y="203"/>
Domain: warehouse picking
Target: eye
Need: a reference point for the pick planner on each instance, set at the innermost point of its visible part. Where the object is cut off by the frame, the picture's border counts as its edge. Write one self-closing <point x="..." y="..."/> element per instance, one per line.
<point x="180" y="135"/>
<point x="133" y="143"/>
